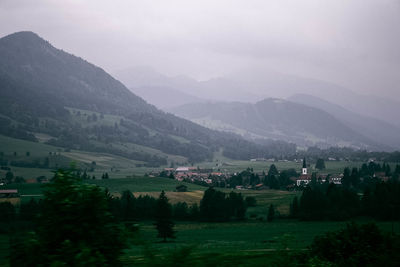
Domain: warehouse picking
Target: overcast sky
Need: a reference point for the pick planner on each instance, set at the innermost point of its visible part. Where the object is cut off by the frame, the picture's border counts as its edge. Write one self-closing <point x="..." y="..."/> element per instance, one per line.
<point x="355" y="43"/>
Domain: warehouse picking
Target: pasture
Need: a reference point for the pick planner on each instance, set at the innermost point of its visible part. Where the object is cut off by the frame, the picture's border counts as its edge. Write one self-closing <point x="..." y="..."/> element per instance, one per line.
<point x="235" y="240"/>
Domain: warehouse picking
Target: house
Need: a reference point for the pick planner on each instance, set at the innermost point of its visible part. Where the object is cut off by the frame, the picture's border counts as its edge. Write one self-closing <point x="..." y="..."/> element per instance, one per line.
<point x="182" y="170"/>
<point x="336" y="180"/>
<point x="303" y="180"/>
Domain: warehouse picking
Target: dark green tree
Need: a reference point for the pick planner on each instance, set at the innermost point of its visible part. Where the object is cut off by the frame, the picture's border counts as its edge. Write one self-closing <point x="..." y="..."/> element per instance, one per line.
<point x="75" y="228"/>
<point x="128" y="205"/>
<point x="213" y="206"/>
<point x="271" y="213"/>
<point x="29" y="211"/>
<point x="7" y="212"/>
<point x="346" y="180"/>
<point x="9" y="177"/>
<point x="357" y="245"/>
<point x="181" y="211"/>
<point x="355" y="177"/>
<point x="164" y="224"/>
<point x="236" y="205"/>
<point x="273" y="170"/>
<point x="250" y="201"/>
<point x="320" y="165"/>
<point x="294" y="208"/>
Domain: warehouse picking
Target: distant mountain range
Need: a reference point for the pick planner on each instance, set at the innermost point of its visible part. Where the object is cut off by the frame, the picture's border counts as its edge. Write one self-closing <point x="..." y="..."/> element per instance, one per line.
<point x="374" y="129"/>
<point x="78" y="105"/>
<point x="253" y="85"/>
<point x="281" y="120"/>
<point x="377" y="128"/>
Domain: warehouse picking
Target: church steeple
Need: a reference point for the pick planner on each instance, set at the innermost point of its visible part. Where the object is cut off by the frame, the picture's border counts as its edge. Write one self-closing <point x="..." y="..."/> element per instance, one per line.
<point x="304" y="170"/>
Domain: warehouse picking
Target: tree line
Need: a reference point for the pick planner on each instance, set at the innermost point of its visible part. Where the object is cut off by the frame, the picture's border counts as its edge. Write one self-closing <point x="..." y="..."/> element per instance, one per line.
<point x="380" y="200"/>
<point x="214" y="206"/>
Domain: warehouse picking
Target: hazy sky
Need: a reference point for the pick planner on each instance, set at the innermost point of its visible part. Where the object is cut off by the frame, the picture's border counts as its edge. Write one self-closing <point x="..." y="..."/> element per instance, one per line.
<point x="355" y="43"/>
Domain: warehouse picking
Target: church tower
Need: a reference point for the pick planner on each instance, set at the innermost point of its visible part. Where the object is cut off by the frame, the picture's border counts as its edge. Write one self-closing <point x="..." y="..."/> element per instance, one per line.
<point x="304" y="170"/>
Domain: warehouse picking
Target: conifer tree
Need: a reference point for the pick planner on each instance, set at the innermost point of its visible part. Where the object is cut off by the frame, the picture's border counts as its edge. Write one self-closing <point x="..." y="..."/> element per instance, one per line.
<point x="271" y="213"/>
<point x="164" y="224"/>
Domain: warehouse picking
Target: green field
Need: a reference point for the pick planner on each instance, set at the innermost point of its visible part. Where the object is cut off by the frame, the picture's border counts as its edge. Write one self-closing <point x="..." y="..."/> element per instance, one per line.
<point x="236" y="240"/>
<point x="251" y="242"/>
<point x="119" y="167"/>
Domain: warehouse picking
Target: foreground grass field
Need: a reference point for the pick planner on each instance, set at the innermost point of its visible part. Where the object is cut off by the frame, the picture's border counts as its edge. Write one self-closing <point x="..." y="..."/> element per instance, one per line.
<point x="253" y="242"/>
<point x="237" y="242"/>
<point x="247" y="243"/>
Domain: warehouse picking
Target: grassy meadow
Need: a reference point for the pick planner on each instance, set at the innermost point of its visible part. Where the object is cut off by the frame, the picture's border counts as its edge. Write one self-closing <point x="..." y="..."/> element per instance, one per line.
<point x="235" y="243"/>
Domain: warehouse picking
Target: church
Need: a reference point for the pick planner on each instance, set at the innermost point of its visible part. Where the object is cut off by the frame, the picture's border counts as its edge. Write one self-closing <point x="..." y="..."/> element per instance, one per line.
<point x="304" y="178"/>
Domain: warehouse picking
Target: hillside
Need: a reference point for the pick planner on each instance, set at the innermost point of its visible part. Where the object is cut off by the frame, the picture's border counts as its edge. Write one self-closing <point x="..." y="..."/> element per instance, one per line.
<point x="277" y="119"/>
<point x="77" y="105"/>
<point x="372" y="128"/>
<point x="255" y="84"/>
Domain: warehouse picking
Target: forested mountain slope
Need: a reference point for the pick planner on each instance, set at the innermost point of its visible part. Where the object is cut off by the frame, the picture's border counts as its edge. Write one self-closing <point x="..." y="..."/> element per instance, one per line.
<point x="78" y="105"/>
<point x="277" y="119"/>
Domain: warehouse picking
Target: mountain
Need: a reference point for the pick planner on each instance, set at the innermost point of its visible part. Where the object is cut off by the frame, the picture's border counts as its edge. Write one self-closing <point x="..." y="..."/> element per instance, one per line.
<point x="157" y="89"/>
<point x="272" y="83"/>
<point x="77" y="105"/>
<point x="277" y="119"/>
<point x="255" y="84"/>
<point x="140" y="78"/>
<point x="372" y="128"/>
<point x="164" y="97"/>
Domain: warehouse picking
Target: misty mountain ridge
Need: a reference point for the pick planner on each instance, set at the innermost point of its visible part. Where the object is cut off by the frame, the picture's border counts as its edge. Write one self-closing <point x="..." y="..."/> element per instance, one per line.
<point x="252" y="85"/>
<point x="277" y="119"/>
<point x="372" y="128"/>
<point x="45" y="90"/>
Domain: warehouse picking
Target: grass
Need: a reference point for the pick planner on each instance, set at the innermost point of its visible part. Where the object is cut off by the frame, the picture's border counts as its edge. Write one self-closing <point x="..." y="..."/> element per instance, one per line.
<point x="153" y="186"/>
<point x="236" y="238"/>
<point x="10" y="145"/>
<point x="232" y="166"/>
<point x="280" y="199"/>
<point x="143" y="184"/>
<point x="119" y="167"/>
<point x="4" y="249"/>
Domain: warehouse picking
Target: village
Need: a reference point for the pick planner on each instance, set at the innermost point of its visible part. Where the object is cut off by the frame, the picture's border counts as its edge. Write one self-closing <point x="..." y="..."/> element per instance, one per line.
<point x="249" y="180"/>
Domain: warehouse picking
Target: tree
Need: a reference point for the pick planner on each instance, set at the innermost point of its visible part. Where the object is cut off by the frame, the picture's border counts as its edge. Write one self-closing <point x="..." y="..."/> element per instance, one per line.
<point x="181" y="188"/>
<point x="7" y="211"/>
<point x="213" y="206"/>
<point x="271" y="213"/>
<point x="128" y="205"/>
<point x="294" y="208"/>
<point x="19" y="180"/>
<point x="357" y="245"/>
<point x="9" y="177"/>
<point x="164" y="224"/>
<point x="273" y="170"/>
<point x="251" y="201"/>
<point x="236" y="205"/>
<point x="75" y="227"/>
<point x="346" y="180"/>
<point x="355" y="177"/>
<point x="320" y="165"/>
<point x="29" y="210"/>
